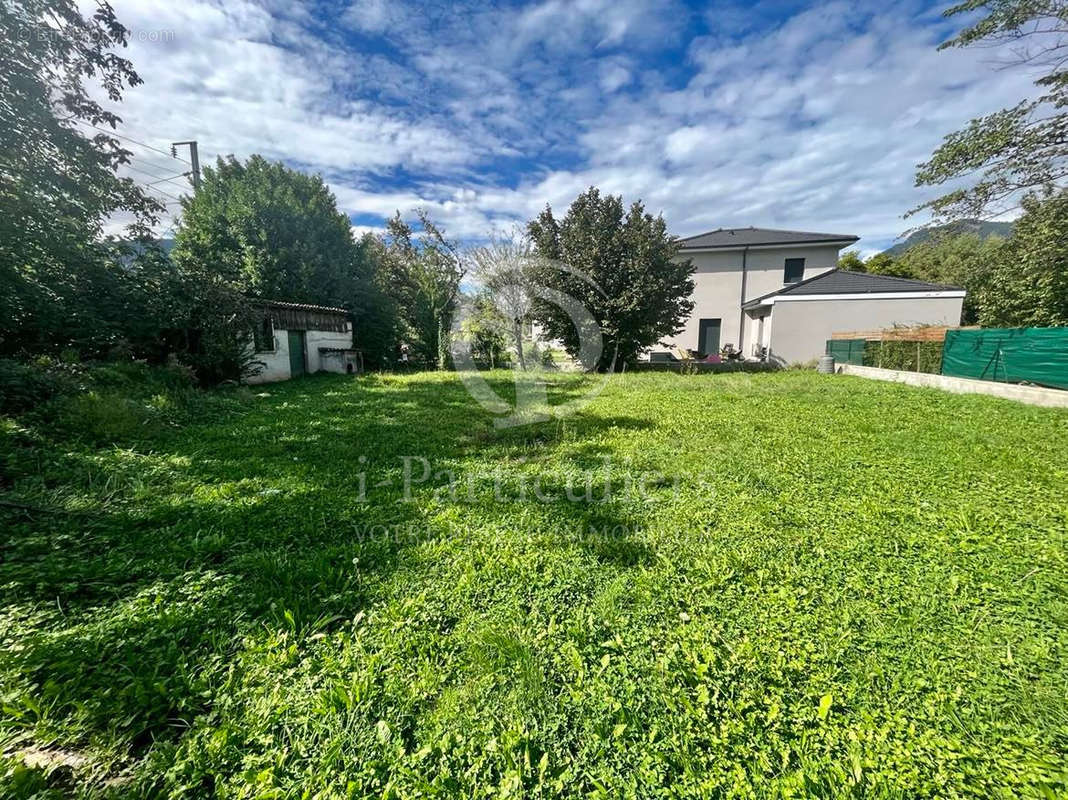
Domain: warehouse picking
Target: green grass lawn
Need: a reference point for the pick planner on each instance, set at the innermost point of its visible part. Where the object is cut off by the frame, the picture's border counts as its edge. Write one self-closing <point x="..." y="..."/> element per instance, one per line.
<point x="798" y="585"/>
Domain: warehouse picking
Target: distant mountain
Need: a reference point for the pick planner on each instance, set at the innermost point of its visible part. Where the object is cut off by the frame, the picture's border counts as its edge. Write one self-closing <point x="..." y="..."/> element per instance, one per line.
<point x="979" y="227"/>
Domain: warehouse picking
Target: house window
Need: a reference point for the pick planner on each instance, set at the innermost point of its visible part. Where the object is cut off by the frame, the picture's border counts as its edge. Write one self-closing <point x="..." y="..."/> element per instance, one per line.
<point x="795" y="270"/>
<point x="263" y="336"/>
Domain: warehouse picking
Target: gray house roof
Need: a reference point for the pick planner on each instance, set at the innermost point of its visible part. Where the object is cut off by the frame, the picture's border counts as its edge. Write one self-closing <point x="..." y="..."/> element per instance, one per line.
<point x="743" y="237"/>
<point x="840" y="281"/>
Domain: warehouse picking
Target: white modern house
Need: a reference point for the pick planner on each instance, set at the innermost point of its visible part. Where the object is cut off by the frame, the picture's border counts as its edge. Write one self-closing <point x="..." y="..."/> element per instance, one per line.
<point x="757" y="288"/>
<point x="291" y="339"/>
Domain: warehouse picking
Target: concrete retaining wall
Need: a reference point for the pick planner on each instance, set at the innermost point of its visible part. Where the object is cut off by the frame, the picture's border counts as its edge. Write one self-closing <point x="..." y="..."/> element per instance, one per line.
<point x="1032" y="395"/>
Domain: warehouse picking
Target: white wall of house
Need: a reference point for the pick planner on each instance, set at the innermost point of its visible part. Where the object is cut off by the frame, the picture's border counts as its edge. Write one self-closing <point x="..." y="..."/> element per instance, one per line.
<point x="718" y="286"/>
<point x="802" y="326"/>
<point x="758" y="331"/>
<point x="317" y="339"/>
<point x="277" y="361"/>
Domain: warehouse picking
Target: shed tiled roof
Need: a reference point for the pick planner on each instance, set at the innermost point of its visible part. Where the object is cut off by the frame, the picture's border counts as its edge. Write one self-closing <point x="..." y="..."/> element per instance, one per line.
<point x="303" y="316"/>
<point x="743" y="237"/>
<point x="299" y="307"/>
<point x="840" y="281"/>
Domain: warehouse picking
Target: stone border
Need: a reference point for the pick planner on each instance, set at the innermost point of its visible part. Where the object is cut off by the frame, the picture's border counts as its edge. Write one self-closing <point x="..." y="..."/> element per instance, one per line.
<point x="1032" y="395"/>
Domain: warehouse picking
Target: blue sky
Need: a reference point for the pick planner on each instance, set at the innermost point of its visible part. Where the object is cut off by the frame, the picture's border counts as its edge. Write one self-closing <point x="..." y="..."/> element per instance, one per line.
<point x="779" y="114"/>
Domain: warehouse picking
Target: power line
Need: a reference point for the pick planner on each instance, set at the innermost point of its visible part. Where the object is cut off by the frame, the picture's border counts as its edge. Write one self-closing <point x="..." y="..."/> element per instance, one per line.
<point x="144" y="171"/>
<point x="161" y="180"/>
<point x="194" y="159"/>
<point x="195" y="172"/>
<point x="149" y="159"/>
<point x="169" y="229"/>
<point x="135" y="141"/>
<point x="151" y="186"/>
<point x="165" y="194"/>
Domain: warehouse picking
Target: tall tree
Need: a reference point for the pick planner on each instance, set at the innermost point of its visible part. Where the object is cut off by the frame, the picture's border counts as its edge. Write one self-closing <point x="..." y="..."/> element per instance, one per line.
<point x="485" y="328"/>
<point x="259" y="229"/>
<point x="1028" y="284"/>
<point x="378" y="321"/>
<point x="58" y="181"/>
<point x="269" y="231"/>
<point x="622" y="266"/>
<point x="507" y="268"/>
<point x="977" y="264"/>
<point x="850" y="260"/>
<point x="878" y="264"/>
<point x="1015" y="150"/>
<point x="886" y="264"/>
<point x="965" y="260"/>
<point x="425" y="269"/>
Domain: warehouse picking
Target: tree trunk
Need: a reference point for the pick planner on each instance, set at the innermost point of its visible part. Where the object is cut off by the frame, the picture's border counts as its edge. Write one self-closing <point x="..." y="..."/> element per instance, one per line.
<point x="607" y="363"/>
<point x="517" y="333"/>
<point x="444" y="330"/>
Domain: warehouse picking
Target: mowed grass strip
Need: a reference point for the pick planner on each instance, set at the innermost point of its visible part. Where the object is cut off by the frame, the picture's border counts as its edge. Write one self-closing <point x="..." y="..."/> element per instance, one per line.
<point x="776" y="585"/>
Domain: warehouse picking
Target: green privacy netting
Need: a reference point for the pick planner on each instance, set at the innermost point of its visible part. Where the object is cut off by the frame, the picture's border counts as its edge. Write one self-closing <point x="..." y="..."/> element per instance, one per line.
<point x="1013" y="355"/>
<point x="846" y="351"/>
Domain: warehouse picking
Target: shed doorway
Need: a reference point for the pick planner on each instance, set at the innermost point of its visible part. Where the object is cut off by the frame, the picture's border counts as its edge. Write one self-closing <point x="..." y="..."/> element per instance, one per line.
<point x="297" y="363"/>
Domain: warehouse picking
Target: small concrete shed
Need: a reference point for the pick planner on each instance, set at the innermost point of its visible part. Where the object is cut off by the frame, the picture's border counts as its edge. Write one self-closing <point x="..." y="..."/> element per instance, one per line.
<point x="291" y="339"/>
<point x="794" y="323"/>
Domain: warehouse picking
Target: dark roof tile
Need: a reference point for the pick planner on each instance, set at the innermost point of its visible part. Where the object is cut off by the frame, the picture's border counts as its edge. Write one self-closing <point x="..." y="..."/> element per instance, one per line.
<point x="840" y="281"/>
<point x="741" y="237"/>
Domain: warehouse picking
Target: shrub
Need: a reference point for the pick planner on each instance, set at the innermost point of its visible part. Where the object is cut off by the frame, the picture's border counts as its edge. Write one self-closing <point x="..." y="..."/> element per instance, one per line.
<point x="105" y="402"/>
<point x="908" y="356"/>
<point x="100" y="416"/>
<point x="691" y="367"/>
<point x="141" y="377"/>
<point x="24" y="386"/>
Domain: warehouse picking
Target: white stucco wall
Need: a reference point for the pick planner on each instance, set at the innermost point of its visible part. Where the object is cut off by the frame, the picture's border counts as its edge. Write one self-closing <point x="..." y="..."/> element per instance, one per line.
<point x="757" y="335"/>
<point x="317" y="339"/>
<point x="277" y="362"/>
<point x="802" y="327"/>
<point x="718" y="286"/>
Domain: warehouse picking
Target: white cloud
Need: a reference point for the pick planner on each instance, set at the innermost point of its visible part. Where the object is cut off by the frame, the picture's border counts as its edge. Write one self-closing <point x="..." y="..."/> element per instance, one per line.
<point x="613" y="75"/>
<point x="358" y="231"/>
<point x="561" y="24"/>
<point x="372" y="16"/>
<point x="484" y="114"/>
